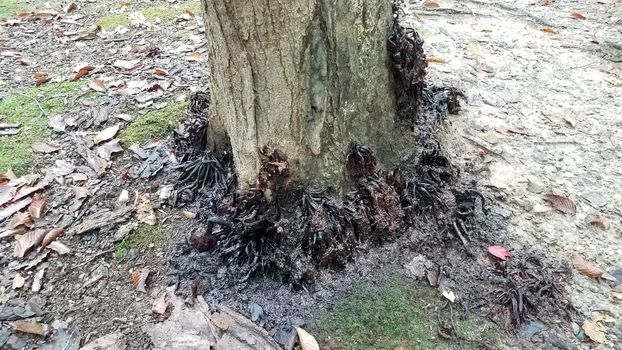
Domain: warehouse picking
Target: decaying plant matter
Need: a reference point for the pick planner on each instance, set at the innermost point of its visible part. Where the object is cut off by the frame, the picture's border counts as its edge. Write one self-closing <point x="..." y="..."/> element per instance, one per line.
<point x="290" y="233"/>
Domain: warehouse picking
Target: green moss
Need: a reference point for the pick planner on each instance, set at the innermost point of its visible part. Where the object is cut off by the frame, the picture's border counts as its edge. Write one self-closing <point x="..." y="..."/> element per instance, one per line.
<point x="145" y="237"/>
<point x="387" y="316"/>
<point x="8" y="8"/>
<point x="165" y="14"/>
<point x="113" y="21"/>
<point x="21" y="108"/>
<point x="153" y="125"/>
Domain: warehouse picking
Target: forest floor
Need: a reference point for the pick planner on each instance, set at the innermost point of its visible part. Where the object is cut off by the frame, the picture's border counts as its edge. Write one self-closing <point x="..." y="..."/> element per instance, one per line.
<point x="98" y="88"/>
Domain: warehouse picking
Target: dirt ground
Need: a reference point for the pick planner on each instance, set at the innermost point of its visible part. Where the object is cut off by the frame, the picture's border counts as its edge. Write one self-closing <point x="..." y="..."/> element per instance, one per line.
<point x="531" y="67"/>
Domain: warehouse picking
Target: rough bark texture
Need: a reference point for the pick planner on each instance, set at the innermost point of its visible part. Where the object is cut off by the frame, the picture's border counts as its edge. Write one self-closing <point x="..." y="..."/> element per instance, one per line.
<point x="308" y="77"/>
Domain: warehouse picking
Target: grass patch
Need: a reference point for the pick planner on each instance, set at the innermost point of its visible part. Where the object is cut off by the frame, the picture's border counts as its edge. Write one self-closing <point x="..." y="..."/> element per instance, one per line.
<point x="392" y="315"/>
<point x="142" y="238"/>
<point x="154" y="125"/>
<point x="15" y="150"/>
<point x="9" y="8"/>
<point x="111" y="22"/>
<point x="165" y="14"/>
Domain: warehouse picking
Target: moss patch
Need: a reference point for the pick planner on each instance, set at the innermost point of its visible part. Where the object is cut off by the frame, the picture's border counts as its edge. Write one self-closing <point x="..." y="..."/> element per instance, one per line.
<point x="15" y="150"/>
<point x="392" y="315"/>
<point x="8" y="8"/>
<point x="145" y="237"/>
<point x="153" y="125"/>
<point x="113" y="21"/>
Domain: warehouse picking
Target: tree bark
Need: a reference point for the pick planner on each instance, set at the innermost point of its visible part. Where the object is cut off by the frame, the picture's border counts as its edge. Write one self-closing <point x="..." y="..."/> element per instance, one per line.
<point x="307" y="77"/>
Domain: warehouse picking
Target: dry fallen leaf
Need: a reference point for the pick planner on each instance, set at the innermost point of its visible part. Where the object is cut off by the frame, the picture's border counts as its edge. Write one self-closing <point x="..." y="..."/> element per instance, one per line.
<point x="41" y="78"/>
<point x="51" y="236"/>
<point x="21" y="219"/>
<point x="584" y="267"/>
<point x="106" y="150"/>
<point x="98" y="85"/>
<point x="71" y="7"/>
<point x="106" y="134"/>
<point x="58" y="247"/>
<point x="139" y="278"/>
<point x="548" y="30"/>
<point x="561" y="203"/>
<point x="57" y="123"/>
<point x="449" y="295"/>
<point x="430" y="4"/>
<point x="577" y="15"/>
<point x="196" y="57"/>
<point x="28" y="241"/>
<point x="80" y="191"/>
<point x="7" y="193"/>
<point x="37" y="206"/>
<point x="30" y="327"/>
<point x="129" y="65"/>
<point x="594" y="331"/>
<point x="160" y="72"/>
<point x="306" y="340"/>
<point x="144" y="209"/>
<point x="43" y="147"/>
<point x="597" y="221"/>
<point x="160" y="305"/>
<point x="82" y="71"/>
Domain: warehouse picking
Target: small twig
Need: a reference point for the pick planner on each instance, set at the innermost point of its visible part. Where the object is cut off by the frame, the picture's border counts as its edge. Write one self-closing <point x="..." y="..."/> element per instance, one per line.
<point x="35" y="101"/>
<point x="487" y="149"/>
<point x="95" y="257"/>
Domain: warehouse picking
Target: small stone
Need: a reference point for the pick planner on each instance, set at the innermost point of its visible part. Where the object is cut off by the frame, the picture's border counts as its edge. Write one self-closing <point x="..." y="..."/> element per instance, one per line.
<point x="531" y="329"/>
<point x="535" y="186"/>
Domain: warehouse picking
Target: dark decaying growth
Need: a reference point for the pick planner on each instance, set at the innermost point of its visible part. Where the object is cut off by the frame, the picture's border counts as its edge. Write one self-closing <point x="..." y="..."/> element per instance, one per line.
<point x="291" y="234"/>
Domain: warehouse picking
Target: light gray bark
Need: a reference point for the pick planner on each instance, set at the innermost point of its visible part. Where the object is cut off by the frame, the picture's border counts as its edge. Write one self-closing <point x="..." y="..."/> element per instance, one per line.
<point x="308" y="77"/>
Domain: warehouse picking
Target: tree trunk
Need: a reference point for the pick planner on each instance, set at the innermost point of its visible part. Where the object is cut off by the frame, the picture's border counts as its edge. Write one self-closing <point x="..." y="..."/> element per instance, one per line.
<point x="306" y="77"/>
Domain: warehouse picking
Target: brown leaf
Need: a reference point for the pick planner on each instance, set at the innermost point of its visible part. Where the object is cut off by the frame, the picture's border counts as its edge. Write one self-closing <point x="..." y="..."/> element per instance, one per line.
<point x="98" y="85"/>
<point x="598" y="221"/>
<point x="561" y="203"/>
<point x="51" y="236"/>
<point x="44" y="147"/>
<point x="71" y="7"/>
<point x="584" y="267"/>
<point x="594" y="331"/>
<point x="106" y="150"/>
<point x="58" y="247"/>
<point x="6" y="194"/>
<point x="196" y="57"/>
<point x="41" y="78"/>
<point x="160" y="72"/>
<point x="82" y="72"/>
<point x="80" y="191"/>
<point x="306" y="340"/>
<point x="106" y="134"/>
<point x="548" y="30"/>
<point x="30" y="327"/>
<point x="577" y="15"/>
<point x="37" y="206"/>
<point x="144" y="209"/>
<point x="190" y="12"/>
<point x="139" y="278"/>
<point x="28" y="241"/>
<point x="430" y="4"/>
<point x="21" y="219"/>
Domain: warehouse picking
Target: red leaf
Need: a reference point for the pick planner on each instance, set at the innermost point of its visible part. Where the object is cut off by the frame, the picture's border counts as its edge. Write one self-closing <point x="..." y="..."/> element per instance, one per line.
<point x="499" y="252"/>
<point x="577" y="15"/>
<point x="139" y="278"/>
